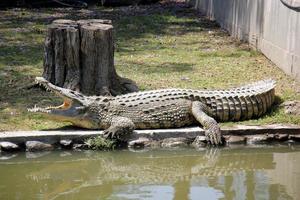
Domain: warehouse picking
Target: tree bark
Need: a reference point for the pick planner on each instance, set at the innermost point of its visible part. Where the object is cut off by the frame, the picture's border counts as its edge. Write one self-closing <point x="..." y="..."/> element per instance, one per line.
<point x="79" y="55"/>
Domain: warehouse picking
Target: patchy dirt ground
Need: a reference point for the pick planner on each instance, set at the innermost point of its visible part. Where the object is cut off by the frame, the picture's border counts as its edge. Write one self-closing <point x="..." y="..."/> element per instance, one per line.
<point x="291" y="107"/>
<point x="159" y="46"/>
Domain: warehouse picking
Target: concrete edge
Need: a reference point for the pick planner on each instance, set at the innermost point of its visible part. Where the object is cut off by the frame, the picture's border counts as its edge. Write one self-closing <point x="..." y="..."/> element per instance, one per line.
<point x="164" y="137"/>
<point x="189" y="132"/>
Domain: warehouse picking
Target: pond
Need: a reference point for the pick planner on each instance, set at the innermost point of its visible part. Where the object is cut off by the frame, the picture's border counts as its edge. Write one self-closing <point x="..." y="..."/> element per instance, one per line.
<point x="261" y="172"/>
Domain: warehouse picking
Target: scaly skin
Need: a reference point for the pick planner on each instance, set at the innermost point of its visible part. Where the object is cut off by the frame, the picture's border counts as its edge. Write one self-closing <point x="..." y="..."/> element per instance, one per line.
<point x="167" y="108"/>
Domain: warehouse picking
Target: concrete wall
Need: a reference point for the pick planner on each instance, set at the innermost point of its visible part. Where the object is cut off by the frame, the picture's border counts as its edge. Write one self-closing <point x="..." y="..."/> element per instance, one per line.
<point x="267" y="25"/>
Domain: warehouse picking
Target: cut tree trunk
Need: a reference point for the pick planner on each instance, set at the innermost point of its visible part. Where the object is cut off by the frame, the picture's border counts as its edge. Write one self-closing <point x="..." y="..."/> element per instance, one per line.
<point x="79" y="55"/>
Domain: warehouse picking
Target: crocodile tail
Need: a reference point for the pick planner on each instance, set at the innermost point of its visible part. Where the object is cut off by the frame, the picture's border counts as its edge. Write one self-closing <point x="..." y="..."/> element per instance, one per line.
<point x="254" y="99"/>
<point x="242" y="103"/>
<point x="259" y="86"/>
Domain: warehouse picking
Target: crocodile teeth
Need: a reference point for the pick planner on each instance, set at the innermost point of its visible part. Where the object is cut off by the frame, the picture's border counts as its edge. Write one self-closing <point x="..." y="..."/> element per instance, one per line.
<point x="37" y="109"/>
<point x="43" y="85"/>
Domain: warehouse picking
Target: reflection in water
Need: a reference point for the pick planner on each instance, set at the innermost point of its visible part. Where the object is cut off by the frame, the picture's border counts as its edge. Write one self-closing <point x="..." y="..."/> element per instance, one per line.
<point x="245" y="173"/>
<point x="143" y="192"/>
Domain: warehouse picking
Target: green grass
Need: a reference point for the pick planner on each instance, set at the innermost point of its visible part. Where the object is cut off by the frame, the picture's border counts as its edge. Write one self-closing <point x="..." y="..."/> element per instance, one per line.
<point x="158" y="47"/>
<point x="100" y="143"/>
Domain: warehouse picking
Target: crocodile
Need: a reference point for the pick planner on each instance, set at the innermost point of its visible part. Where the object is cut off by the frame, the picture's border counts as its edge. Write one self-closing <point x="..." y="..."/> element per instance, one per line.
<point x="163" y="108"/>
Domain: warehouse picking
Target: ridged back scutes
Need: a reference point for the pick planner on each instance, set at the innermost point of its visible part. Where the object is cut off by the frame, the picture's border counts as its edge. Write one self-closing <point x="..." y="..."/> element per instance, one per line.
<point x="246" y="102"/>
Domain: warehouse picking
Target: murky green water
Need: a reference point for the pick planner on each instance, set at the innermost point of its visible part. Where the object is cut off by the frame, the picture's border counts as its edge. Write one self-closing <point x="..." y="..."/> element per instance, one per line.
<point x="239" y="173"/>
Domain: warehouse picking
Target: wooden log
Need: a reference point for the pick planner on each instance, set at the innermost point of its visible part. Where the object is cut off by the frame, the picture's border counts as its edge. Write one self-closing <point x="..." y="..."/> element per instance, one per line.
<point x="79" y="55"/>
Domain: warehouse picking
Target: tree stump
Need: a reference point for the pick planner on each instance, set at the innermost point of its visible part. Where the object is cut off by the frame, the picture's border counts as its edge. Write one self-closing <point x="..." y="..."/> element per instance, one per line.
<point x="79" y="55"/>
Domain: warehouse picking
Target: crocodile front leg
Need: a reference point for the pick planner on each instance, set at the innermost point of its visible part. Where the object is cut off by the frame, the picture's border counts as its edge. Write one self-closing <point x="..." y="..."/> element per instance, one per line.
<point x="119" y="127"/>
<point x="212" y="129"/>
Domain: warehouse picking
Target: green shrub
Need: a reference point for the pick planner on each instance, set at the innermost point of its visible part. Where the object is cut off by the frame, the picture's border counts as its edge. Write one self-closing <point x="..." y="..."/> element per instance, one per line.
<point x="100" y="143"/>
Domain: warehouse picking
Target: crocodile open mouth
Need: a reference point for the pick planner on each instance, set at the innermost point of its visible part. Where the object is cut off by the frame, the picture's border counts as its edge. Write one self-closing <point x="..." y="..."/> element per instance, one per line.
<point x="64" y="106"/>
<point x="73" y="109"/>
<point x="61" y="92"/>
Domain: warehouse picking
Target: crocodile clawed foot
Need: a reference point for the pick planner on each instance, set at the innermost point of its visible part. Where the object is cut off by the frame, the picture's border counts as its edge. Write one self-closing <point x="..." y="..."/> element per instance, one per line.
<point x="115" y="133"/>
<point x="213" y="136"/>
<point x="110" y="134"/>
<point x="107" y="134"/>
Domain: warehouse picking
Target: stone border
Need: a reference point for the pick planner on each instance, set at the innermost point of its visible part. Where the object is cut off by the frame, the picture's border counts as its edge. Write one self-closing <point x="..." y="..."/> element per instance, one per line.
<point x="239" y="134"/>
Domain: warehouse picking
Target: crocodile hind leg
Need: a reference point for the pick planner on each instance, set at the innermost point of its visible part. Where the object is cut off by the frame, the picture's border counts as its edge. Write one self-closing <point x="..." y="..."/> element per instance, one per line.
<point x="210" y="125"/>
<point x="119" y="127"/>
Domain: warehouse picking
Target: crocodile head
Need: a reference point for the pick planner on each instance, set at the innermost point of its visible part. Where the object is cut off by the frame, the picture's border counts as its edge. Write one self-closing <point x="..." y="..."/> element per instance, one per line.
<point x="74" y="109"/>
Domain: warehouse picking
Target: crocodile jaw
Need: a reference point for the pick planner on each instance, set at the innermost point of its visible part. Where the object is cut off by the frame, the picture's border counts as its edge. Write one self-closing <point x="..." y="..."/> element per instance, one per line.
<point x="66" y="114"/>
<point x="60" y="112"/>
<point x="73" y="108"/>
